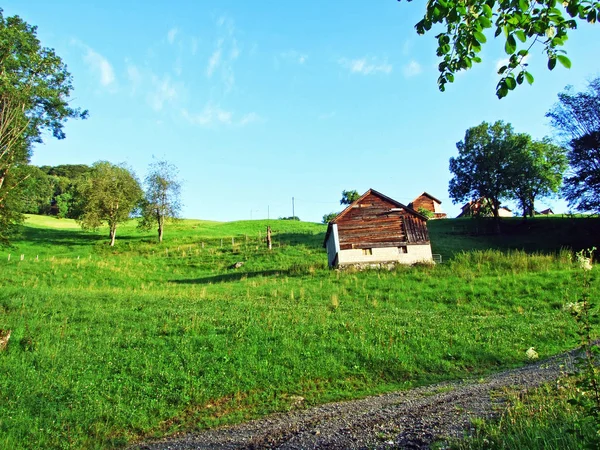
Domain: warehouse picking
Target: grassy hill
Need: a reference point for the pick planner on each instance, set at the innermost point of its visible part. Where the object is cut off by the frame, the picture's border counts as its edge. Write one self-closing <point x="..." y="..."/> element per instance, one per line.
<point x="111" y="345"/>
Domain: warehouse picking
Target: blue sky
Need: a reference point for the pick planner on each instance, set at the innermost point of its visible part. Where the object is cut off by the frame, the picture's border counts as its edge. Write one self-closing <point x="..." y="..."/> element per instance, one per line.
<point x="259" y="102"/>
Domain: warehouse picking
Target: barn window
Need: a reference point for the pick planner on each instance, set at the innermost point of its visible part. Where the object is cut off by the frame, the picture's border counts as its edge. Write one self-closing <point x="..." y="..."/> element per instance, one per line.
<point x="367" y="251"/>
<point x="402" y="249"/>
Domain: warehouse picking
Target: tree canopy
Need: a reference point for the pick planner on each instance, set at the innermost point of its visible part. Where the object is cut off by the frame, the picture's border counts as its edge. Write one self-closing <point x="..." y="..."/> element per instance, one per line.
<point x="537" y="170"/>
<point x="162" y="200"/>
<point x="495" y="163"/>
<point x="107" y="195"/>
<point x="349" y="197"/>
<point x="35" y="89"/>
<point x="520" y="23"/>
<point x="576" y="117"/>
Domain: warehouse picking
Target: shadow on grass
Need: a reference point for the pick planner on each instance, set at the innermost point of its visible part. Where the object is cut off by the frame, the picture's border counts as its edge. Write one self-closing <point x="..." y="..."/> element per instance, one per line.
<point x="237" y="276"/>
<point x="69" y="238"/>
<point x="311" y="240"/>
<point x="72" y="237"/>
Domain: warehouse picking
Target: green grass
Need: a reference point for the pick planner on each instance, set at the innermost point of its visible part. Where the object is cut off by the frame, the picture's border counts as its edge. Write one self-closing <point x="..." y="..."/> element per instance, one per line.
<point x="541" y="419"/>
<point x="112" y="345"/>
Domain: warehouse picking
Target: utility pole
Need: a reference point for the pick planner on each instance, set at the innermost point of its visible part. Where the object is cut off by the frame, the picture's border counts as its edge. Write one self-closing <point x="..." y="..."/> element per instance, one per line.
<point x="293" y="209"/>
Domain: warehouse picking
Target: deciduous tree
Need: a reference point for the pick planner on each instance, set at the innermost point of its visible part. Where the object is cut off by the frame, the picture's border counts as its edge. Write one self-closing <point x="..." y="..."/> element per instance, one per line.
<point x="537" y="171"/>
<point x="576" y="117"/>
<point x="162" y="201"/>
<point x="349" y="197"/>
<point x="483" y="168"/>
<point x="329" y="217"/>
<point x="107" y="195"/>
<point x="35" y="89"/>
<point x="520" y="23"/>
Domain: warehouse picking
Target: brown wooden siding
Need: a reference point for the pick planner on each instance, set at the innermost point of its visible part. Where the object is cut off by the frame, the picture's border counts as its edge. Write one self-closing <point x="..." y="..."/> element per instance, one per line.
<point x="375" y="222"/>
<point x="423" y="202"/>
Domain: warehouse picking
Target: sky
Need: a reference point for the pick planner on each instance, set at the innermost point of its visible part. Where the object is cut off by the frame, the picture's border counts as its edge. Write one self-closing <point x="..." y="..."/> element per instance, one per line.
<point x="258" y="103"/>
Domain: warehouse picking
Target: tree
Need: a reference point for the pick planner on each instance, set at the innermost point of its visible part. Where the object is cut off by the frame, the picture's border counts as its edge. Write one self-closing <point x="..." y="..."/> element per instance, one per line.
<point x="484" y="167"/>
<point x="35" y="89"/>
<point x="537" y="171"/>
<point x="329" y="217"/>
<point x="162" y="199"/>
<point x="65" y="178"/>
<point x="349" y="197"/>
<point x="35" y="189"/>
<point x="576" y="117"/>
<point x="107" y="195"/>
<point x="522" y="23"/>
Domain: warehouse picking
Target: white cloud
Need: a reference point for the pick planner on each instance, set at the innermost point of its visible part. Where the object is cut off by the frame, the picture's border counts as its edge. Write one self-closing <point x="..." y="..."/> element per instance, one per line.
<point x="210" y="115"/>
<point x="134" y="76"/>
<point x="225" y="53"/>
<point x="326" y="116"/>
<point x="101" y="66"/>
<point x="213" y="62"/>
<point x="294" y="56"/>
<point x="163" y="92"/>
<point x="172" y="34"/>
<point x="366" y="66"/>
<point x="505" y="61"/>
<point x="412" y="69"/>
<point x="213" y="115"/>
<point x="250" y="118"/>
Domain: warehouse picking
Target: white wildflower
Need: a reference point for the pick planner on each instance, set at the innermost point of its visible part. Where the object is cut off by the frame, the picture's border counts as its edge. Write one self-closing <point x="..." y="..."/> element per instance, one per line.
<point x="574" y="307"/>
<point x="531" y="353"/>
<point x="585" y="263"/>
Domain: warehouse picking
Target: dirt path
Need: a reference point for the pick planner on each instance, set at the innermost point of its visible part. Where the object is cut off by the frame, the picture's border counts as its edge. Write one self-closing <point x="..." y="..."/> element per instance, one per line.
<point x="409" y="419"/>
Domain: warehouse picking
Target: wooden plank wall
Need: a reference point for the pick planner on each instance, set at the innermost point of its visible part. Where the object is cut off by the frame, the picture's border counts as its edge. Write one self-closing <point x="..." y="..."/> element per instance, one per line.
<point x="423" y="202"/>
<point x="372" y="224"/>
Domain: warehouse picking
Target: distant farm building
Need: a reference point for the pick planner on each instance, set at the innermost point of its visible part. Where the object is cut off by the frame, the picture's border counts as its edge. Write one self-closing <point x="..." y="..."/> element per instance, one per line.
<point x="545" y="212"/>
<point x="429" y="203"/>
<point x="482" y="208"/>
<point x="376" y="230"/>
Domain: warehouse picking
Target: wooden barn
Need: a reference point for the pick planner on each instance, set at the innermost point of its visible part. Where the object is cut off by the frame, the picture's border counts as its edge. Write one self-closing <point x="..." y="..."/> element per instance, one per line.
<point x="480" y="208"/>
<point x="376" y="230"/>
<point x="429" y="203"/>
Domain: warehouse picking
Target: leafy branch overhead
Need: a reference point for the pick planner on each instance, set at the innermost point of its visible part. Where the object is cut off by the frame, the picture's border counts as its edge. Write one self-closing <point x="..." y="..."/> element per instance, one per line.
<point x="521" y="23"/>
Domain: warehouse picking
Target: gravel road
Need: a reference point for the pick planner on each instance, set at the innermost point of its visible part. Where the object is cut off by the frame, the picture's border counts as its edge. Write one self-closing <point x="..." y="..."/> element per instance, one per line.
<point x="412" y="419"/>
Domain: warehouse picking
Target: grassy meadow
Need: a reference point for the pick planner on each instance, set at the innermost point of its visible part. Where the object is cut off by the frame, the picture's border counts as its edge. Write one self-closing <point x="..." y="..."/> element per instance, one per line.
<point x="114" y="345"/>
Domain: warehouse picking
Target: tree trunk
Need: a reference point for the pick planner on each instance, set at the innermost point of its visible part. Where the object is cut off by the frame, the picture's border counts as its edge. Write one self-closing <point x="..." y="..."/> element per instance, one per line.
<point x="160" y="232"/>
<point x="495" y="212"/>
<point x="269" y="243"/>
<point x="113" y="234"/>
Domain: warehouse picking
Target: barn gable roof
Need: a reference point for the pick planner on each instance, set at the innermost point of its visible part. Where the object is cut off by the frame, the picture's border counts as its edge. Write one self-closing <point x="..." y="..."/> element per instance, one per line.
<point x="426" y="194"/>
<point x="349" y="208"/>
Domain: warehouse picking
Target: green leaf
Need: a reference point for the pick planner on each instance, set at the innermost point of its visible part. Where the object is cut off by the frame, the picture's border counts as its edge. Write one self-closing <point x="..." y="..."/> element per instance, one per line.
<point x="523" y="5"/>
<point x="484" y="21"/>
<point x="498" y="32"/>
<point x="591" y="17"/>
<point x="476" y="59"/>
<point x="520" y="34"/>
<point x="511" y="83"/>
<point x="480" y="37"/>
<point x="502" y="69"/>
<point x="528" y="77"/>
<point x="487" y="11"/>
<point x="510" y="45"/>
<point x="566" y="62"/>
<point x="552" y="62"/>
<point x="520" y="77"/>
